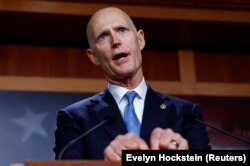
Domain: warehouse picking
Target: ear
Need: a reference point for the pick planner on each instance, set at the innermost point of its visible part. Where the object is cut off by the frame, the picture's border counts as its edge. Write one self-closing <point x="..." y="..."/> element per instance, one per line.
<point x="92" y="56"/>
<point x="141" y="39"/>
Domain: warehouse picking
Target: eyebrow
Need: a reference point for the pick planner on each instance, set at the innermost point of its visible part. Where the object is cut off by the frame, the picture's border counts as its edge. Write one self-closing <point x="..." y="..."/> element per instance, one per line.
<point x="116" y="27"/>
<point x="102" y="33"/>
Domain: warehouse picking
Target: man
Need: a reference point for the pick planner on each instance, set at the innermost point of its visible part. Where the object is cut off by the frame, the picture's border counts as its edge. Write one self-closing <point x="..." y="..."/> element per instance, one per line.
<point x="161" y="121"/>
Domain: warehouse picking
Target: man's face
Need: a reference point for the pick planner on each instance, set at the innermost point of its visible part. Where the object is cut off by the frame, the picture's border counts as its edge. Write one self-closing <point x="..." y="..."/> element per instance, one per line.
<point x="116" y="44"/>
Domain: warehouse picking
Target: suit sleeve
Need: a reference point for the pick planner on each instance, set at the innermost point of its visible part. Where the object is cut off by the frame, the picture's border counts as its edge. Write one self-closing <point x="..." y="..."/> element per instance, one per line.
<point x="195" y="132"/>
<point x="67" y="129"/>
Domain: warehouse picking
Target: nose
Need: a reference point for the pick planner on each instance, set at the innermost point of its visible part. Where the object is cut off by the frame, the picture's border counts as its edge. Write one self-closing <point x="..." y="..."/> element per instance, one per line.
<point x="115" y="40"/>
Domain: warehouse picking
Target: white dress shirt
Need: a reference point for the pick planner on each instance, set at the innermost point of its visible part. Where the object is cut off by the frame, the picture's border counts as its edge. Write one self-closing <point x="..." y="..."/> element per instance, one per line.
<point x="118" y="93"/>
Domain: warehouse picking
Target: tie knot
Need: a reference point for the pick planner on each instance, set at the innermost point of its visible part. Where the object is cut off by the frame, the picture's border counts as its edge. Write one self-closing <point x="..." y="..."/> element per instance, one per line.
<point x="130" y="96"/>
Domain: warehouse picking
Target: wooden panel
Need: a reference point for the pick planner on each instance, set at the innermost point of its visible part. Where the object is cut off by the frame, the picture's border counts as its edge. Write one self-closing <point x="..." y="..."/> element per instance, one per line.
<point x="72" y="62"/>
<point x="53" y="84"/>
<point x="161" y="33"/>
<point x="159" y="65"/>
<point x="28" y="60"/>
<point x="222" y="67"/>
<point x="217" y="4"/>
<point x="73" y="163"/>
<point x="156" y="12"/>
<point x="16" y="164"/>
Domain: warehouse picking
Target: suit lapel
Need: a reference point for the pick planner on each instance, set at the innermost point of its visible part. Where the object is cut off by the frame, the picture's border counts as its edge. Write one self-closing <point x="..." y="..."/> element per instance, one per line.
<point x="158" y="112"/>
<point x="104" y="105"/>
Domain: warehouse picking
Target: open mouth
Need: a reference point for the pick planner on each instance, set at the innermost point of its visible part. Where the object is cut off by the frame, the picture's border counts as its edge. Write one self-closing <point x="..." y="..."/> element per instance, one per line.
<point x="120" y="56"/>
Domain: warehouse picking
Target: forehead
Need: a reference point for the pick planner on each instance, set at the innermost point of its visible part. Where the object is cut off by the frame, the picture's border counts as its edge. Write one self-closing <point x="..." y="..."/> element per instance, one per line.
<point x="104" y="20"/>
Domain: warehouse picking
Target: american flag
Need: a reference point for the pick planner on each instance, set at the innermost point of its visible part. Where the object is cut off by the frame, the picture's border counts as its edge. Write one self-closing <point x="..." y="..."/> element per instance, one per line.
<point x="27" y="124"/>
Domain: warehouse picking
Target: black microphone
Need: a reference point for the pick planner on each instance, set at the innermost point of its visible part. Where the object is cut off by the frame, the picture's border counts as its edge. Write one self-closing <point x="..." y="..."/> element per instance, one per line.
<point x="110" y="119"/>
<point x="193" y="117"/>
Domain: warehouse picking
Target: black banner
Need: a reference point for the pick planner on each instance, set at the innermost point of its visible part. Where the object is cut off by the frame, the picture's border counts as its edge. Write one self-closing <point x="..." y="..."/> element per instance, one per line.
<point x="185" y="157"/>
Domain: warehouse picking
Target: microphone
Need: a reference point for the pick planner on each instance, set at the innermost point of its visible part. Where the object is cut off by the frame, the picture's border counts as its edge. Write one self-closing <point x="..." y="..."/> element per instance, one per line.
<point x="193" y="117"/>
<point x="110" y="119"/>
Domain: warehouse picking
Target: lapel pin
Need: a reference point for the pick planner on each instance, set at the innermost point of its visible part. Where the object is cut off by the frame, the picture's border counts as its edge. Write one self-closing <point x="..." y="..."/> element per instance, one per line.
<point x="163" y="106"/>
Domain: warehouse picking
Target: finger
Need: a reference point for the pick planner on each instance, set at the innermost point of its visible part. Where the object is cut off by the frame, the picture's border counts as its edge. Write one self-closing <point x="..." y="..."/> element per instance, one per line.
<point x="114" y="150"/>
<point x="183" y="145"/>
<point x="119" y="144"/>
<point x="169" y="140"/>
<point x="155" y="138"/>
<point x="176" y="141"/>
<point x="110" y="155"/>
<point x="165" y="139"/>
<point x="142" y="145"/>
<point x="134" y="142"/>
<point x="173" y="145"/>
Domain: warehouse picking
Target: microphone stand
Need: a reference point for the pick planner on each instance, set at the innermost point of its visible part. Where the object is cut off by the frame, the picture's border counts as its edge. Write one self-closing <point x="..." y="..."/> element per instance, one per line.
<point x="223" y="131"/>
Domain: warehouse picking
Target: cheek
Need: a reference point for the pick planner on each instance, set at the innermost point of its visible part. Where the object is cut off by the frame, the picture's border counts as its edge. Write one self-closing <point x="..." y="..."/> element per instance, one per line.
<point x="136" y="46"/>
<point x="102" y="54"/>
<point x="105" y="60"/>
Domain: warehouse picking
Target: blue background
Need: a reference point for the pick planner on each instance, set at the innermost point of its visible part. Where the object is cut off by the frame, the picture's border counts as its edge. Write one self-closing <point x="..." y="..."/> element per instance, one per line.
<point x="16" y="145"/>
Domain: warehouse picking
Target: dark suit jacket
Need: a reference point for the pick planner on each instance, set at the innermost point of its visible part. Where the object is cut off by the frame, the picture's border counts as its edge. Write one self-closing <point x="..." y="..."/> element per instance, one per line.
<point x="75" y="119"/>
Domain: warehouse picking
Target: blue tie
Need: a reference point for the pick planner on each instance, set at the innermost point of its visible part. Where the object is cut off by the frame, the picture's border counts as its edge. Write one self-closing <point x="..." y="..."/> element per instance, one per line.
<point x="130" y="118"/>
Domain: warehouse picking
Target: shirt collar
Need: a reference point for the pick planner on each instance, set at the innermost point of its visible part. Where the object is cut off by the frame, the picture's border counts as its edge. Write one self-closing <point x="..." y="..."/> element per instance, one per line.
<point x="118" y="92"/>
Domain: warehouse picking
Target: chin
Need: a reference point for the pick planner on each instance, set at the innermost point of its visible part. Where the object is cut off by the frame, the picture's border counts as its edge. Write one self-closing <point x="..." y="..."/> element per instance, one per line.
<point x="122" y="76"/>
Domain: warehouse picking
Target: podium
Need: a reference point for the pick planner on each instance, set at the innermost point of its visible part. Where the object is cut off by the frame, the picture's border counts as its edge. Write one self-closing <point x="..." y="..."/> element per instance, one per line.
<point x="69" y="163"/>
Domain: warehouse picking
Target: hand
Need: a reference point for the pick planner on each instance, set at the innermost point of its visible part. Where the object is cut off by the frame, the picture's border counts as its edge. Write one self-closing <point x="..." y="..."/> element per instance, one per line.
<point x="167" y="139"/>
<point x="129" y="141"/>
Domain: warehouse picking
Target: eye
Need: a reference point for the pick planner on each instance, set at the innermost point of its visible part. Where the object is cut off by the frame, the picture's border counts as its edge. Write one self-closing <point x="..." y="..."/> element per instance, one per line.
<point x="122" y="29"/>
<point x="103" y="36"/>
